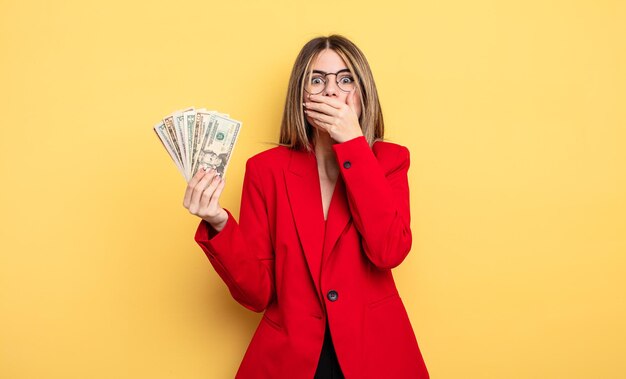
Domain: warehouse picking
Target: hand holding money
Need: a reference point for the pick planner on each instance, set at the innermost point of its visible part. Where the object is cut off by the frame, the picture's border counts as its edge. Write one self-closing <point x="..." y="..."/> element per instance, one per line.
<point x="202" y="198"/>
<point x="198" y="139"/>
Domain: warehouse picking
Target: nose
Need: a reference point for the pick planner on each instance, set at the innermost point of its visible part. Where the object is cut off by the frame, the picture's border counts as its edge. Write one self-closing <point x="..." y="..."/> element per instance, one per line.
<point x="331" y="88"/>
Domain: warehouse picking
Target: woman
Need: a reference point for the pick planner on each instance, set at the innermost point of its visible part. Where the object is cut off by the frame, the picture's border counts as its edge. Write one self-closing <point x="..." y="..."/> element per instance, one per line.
<point x="324" y="218"/>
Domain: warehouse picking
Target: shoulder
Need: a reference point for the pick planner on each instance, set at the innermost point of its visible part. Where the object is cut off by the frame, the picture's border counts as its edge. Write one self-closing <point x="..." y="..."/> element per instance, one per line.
<point x="386" y="148"/>
<point x="391" y="155"/>
<point x="269" y="160"/>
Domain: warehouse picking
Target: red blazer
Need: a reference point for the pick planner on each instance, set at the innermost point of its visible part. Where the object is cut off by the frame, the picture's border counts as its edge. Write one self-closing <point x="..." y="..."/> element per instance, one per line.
<point x="282" y="258"/>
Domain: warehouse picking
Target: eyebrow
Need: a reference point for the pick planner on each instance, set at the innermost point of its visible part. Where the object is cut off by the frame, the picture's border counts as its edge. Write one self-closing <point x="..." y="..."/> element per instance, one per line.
<point x="324" y="73"/>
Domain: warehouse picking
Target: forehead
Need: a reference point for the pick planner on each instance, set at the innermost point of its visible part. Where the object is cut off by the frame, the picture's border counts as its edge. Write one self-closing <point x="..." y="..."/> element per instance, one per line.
<point x="328" y="61"/>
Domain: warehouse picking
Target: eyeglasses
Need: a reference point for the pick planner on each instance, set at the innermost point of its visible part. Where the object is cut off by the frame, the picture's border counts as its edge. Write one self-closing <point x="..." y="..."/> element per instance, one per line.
<point x="316" y="81"/>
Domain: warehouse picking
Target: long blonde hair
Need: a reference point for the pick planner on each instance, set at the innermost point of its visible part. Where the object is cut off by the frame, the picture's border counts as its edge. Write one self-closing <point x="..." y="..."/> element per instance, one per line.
<point x="295" y="131"/>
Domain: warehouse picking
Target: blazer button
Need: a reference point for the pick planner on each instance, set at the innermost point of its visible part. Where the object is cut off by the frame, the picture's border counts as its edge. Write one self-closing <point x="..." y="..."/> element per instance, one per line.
<point x="347" y="164"/>
<point x="332" y="295"/>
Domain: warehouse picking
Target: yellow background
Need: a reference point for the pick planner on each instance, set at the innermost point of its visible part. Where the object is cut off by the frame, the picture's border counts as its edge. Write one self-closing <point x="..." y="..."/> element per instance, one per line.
<point x="514" y="113"/>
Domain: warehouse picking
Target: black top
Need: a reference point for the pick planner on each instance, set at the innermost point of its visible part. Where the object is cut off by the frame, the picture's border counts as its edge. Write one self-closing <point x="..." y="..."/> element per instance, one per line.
<point x="328" y="365"/>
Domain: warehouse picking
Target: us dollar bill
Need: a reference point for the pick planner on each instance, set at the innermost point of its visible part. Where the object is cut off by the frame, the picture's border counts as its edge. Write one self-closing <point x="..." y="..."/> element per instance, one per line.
<point x="189" y="117"/>
<point x="198" y="138"/>
<point x="202" y="128"/>
<point x="161" y="132"/>
<point x="219" y="144"/>
<point x="174" y="135"/>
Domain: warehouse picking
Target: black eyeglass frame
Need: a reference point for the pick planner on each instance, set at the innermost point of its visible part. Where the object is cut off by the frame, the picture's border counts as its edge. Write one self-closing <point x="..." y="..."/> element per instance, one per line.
<point x="324" y="75"/>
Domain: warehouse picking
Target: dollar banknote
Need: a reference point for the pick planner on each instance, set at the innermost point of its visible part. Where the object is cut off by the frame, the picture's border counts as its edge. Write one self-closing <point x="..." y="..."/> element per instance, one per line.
<point x="218" y="144"/>
<point x="198" y="139"/>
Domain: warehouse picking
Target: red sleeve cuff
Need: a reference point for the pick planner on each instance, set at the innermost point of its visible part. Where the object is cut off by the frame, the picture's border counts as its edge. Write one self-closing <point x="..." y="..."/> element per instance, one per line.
<point x="353" y="153"/>
<point x="207" y="236"/>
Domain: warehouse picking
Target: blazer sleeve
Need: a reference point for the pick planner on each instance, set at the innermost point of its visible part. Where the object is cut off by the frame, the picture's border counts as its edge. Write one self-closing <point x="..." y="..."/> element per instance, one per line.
<point x="378" y="200"/>
<point x="242" y="253"/>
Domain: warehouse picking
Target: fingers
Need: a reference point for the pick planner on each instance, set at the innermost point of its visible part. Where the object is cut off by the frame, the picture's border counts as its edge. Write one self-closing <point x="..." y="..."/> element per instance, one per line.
<point x="198" y="189"/>
<point x="327" y="100"/>
<point x="320" y="118"/>
<point x="209" y="193"/>
<point x="322" y="108"/>
<point x="190" y="186"/>
<point x="213" y="204"/>
<point x="203" y="193"/>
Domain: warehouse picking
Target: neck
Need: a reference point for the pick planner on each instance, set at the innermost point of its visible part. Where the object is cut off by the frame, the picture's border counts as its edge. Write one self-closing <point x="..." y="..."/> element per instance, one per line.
<point x="326" y="160"/>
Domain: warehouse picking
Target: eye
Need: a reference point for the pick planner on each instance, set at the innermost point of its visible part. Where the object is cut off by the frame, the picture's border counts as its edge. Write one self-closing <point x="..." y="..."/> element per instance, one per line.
<point x="346" y="79"/>
<point x="317" y="80"/>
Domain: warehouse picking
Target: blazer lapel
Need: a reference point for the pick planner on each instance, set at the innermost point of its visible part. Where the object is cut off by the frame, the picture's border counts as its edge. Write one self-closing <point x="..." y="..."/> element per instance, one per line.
<point x="338" y="217"/>
<point x="305" y="199"/>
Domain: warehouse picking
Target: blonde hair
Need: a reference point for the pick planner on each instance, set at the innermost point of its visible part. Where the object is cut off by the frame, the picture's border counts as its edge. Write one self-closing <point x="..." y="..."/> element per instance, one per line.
<point x="295" y="131"/>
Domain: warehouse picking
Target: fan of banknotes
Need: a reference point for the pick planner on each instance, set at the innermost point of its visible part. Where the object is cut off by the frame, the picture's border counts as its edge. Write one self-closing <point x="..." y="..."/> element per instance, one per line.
<point x="197" y="138"/>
